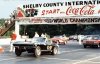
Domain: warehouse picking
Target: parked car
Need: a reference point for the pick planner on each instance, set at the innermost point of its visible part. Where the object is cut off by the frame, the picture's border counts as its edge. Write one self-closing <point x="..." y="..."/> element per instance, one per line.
<point x="92" y="41"/>
<point x="86" y="37"/>
<point x="37" y="45"/>
<point x="73" y="37"/>
<point x="60" y="39"/>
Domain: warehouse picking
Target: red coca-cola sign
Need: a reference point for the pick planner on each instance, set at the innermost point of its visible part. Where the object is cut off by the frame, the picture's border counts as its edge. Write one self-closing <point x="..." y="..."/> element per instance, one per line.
<point x="84" y="10"/>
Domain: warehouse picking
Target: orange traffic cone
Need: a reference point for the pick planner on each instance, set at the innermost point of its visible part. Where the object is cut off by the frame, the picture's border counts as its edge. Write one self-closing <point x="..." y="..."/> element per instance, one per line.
<point x="1" y="49"/>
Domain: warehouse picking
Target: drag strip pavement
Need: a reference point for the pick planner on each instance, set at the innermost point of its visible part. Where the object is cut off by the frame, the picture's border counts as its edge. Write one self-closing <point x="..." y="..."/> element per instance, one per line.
<point x="87" y="60"/>
<point x="22" y="58"/>
<point x="61" y="52"/>
<point x="16" y="58"/>
<point x="8" y="59"/>
<point x="71" y="53"/>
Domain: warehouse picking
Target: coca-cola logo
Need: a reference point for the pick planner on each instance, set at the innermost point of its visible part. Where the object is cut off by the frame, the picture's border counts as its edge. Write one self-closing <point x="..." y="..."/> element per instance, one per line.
<point x="85" y="10"/>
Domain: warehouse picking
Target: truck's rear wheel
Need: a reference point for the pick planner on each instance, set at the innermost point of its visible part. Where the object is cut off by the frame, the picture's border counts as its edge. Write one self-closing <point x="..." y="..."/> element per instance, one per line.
<point x="37" y="51"/>
<point x="18" y="52"/>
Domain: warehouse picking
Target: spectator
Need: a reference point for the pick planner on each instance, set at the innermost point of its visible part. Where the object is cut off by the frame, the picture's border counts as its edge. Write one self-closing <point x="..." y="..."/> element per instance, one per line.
<point x="9" y="22"/>
<point x="43" y="35"/>
<point x="1" y="29"/>
<point x="6" y="23"/>
<point x="80" y="39"/>
<point x="36" y="34"/>
<point x="47" y="36"/>
<point x="13" y="39"/>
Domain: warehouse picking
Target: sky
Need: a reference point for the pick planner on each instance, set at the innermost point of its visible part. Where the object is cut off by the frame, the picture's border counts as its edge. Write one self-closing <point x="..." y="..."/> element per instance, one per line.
<point x="8" y="6"/>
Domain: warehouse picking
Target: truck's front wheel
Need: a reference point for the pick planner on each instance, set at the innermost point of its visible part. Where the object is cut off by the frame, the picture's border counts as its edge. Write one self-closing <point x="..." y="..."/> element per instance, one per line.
<point x="18" y="52"/>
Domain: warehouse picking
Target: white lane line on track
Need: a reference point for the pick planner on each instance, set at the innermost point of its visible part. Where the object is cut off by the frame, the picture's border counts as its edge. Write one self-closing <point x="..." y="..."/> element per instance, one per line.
<point x="58" y="59"/>
<point x="14" y="59"/>
<point x="60" y="52"/>
<point x="8" y="59"/>
<point x="87" y="60"/>
<point x="94" y="62"/>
